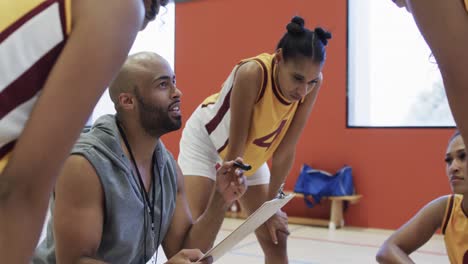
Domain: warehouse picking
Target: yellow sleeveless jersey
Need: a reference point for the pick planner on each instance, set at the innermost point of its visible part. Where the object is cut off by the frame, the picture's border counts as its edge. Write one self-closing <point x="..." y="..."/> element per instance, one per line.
<point x="466" y="5"/>
<point x="272" y="116"/>
<point x="455" y="230"/>
<point x="32" y="35"/>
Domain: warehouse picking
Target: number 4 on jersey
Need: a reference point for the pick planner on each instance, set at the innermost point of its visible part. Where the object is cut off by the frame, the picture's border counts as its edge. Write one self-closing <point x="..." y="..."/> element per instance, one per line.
<point x="263" y="141"/>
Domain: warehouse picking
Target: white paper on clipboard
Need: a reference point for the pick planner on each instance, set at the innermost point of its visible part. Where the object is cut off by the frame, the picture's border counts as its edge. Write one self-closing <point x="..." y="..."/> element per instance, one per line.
<point x="256" y="219"/>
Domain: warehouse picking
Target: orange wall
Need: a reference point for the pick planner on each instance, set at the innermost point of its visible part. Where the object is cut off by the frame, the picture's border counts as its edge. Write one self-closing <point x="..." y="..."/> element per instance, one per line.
<point x="397" y="170"/>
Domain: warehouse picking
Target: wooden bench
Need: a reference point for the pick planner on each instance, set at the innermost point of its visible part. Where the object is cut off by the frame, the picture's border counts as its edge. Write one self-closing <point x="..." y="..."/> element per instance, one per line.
<point x="336" y="212"/>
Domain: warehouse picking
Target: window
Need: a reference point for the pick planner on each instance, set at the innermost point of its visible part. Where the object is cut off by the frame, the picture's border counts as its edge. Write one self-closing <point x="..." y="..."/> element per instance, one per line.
<point x="158" y="37"/>
<point x="393" y="80"/>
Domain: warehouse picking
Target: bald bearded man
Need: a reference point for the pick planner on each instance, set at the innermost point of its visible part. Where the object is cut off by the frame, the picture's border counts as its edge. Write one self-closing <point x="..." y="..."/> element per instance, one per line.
<point x="121" y="193"/>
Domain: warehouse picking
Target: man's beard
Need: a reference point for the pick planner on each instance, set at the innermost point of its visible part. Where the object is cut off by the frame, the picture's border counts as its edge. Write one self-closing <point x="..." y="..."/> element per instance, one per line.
<point x="156" y="120"/>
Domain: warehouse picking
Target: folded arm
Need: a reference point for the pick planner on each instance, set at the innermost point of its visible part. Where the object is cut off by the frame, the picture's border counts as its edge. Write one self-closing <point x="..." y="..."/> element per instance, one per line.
<point x="415" y="233"/>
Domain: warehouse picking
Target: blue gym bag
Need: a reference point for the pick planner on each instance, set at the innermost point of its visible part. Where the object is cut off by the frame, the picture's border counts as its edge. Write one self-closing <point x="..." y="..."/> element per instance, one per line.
<point x="319" y="183"/>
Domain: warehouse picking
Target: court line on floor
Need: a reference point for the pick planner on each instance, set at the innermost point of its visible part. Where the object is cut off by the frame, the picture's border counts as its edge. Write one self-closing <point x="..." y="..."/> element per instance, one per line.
<point x="428" y="252"/>
<point x="291" y="261"/>
<point x="255" y="240"/>
<point x="361" y="244"/>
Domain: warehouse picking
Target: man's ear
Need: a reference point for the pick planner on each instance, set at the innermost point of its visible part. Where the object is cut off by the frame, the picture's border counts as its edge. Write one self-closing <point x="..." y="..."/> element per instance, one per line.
<point x="126" y="101"/>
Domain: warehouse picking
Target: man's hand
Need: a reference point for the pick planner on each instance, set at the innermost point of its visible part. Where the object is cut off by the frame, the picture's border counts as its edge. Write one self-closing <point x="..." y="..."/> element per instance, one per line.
<point x="230" y="181"/>
<point x="189" y="256"/>
<point x="277" y="223"/>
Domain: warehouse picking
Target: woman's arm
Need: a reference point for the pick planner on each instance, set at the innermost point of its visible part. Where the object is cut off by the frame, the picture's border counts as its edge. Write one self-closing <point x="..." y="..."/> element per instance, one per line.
<point x="444" y="25"/>
<point x="415" y="233"/>
<point x="247" y="83"/>
<point x="283" y="158"/>
<point x="102" y="34"/>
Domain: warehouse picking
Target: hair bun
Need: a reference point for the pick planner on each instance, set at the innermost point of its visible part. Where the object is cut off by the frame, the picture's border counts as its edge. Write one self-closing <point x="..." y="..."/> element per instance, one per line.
<point x="296" y="26"/>
<point x="323" y="35"/>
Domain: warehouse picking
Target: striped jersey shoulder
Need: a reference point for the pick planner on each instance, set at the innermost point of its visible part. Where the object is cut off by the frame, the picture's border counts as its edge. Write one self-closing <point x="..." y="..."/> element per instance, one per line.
<point x="15" y="13"/>
<point x="265" y="61"/>
<point x="32" y="35"/>
<point x="448" y="212"/>
<point x="454" y="229"/>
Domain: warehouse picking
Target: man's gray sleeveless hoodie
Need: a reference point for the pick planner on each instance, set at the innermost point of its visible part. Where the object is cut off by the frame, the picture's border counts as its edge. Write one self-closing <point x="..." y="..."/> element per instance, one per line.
<point x="125" y="213"/>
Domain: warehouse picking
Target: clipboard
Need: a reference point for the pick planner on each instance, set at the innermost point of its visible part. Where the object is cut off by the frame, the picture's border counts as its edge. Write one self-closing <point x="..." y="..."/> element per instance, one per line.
<point x="256" y="219"/>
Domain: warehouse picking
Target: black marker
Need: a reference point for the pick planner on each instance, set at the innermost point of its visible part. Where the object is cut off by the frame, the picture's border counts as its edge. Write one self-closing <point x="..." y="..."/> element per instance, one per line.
<point x="243" y="166"/>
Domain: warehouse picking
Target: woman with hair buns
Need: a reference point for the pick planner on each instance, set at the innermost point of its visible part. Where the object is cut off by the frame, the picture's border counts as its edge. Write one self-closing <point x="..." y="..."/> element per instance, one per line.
<point x="258" y="115"/>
